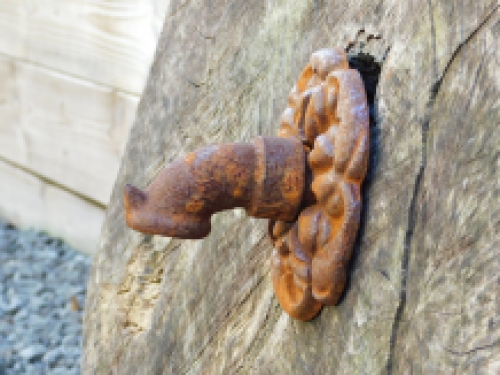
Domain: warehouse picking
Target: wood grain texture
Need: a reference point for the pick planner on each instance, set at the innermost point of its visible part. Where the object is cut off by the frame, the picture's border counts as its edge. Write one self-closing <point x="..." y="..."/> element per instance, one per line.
<point x="424" y="286"/>
<point x="107" y="42"/>
<point x="29" y="201"/>
<point x="72" y="73"/>
<point x="66" y="129"/>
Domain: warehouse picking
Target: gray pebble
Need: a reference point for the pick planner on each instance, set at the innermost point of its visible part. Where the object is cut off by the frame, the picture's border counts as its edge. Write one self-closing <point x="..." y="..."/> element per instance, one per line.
<point x="33" y="353"/>
<point x="40" y="331"/>
<point x="11" y="307"/>
<point x="70" y="341"/>
<point x="64" y="371"/>
<point x="19" y="367"/>
<point x="52" y="356"/>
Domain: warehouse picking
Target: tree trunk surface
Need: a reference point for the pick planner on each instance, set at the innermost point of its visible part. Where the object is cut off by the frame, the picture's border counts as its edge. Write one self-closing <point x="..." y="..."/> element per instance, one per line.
<point x="423" y="295"/>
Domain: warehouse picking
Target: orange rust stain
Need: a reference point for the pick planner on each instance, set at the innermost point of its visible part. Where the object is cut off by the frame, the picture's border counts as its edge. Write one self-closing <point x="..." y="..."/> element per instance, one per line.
<point x="194" y="206"/>
<point x="312" y="271"/>
<point x="190" y="158"/>
<point x="238" y="192"/>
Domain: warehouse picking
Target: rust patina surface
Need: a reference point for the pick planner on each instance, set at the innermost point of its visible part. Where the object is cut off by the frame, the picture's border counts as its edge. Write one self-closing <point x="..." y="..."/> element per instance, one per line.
<point x="265" y="177"/>
<point x="327" y="111"/>
<point x="307" y="181"/>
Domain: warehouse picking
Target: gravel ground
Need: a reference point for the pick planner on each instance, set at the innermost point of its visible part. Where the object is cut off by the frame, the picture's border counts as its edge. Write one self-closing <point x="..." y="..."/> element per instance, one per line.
<point x="42" y="292"/>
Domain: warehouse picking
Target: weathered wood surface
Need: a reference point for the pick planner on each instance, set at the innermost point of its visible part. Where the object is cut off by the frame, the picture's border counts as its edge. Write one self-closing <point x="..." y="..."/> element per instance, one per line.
<point x="30" y="199"/>
<point x="105" y="42"/>
<point x="424" y="290"/>
<point x="69" y="130"/>
<point x="72" y="73"/>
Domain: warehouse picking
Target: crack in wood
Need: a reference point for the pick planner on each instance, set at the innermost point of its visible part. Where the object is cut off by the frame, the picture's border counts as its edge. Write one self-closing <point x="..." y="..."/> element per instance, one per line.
<point x="412" y="213"/>
<point x="473" y="350"/>
<point x="48" y="181"/>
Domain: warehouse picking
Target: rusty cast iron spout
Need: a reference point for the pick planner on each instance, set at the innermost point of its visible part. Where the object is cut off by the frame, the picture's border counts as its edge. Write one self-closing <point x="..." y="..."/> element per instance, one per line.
<point x="307" y="182"/>
<point x="265" y="177"/>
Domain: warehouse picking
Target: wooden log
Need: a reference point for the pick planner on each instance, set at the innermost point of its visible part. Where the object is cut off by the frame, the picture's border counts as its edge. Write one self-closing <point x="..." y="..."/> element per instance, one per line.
<point x="424" y="283"/>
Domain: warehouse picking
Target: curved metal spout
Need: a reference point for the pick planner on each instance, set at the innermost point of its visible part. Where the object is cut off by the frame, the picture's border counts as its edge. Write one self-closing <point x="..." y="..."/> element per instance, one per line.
<point x="266" y="178"/>
<point x="325" y="123"/>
